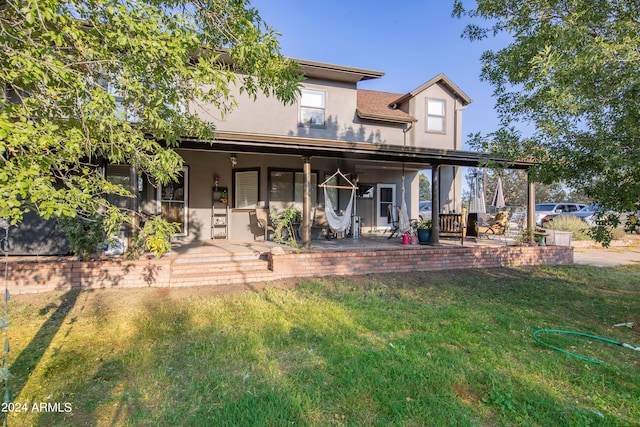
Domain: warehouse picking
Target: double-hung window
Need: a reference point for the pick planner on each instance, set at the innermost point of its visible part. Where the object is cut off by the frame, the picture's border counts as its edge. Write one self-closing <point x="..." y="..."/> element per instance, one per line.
<point x="118" y="94"/>
<point x="287" y="186"/>
<point x="312" y="106"/>
<point x="245" y="188"/>
<point x="436" y="115"/>
<point x="119" y="175"/>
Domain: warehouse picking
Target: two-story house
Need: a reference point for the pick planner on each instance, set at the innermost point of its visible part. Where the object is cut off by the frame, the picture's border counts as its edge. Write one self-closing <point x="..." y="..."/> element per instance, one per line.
<point x="375" y="138"/>
<point x="267" y="153"/>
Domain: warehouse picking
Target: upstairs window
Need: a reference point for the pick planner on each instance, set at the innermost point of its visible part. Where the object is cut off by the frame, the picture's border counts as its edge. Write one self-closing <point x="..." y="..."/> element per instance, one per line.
<point x="435" y="115"/>
<point x="312" y="105"/>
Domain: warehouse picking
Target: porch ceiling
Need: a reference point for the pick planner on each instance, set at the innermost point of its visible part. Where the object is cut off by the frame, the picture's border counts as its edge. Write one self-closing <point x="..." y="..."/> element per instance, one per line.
<point x="289" y="145"/>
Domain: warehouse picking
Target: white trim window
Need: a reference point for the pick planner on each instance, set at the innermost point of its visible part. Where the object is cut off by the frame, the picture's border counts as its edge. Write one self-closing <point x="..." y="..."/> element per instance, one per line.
<point x="245" y="189"/>
<point x="122" y="111"/>
<point x="436" y="115"/>
<point x="312" y="107"/>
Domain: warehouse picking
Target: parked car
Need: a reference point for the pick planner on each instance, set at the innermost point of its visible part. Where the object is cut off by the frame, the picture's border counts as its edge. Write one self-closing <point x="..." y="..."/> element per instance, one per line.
<point x="589" y="214"/>
<point x="425" y="211"/>
<point x="545" y="212"/>
<point x="586" y="214"/>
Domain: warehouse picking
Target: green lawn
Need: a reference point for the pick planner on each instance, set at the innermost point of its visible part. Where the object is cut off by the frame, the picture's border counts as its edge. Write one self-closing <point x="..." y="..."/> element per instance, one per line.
<point x="436" y="349"/>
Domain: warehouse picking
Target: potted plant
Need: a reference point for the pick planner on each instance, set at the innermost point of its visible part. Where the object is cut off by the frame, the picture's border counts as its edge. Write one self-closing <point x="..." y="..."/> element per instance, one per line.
<point x="284" y="223"/>
<point x="423" y="229"/>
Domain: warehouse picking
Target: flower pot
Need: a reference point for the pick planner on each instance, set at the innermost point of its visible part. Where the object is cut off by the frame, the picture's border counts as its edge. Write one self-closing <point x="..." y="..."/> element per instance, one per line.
<point x="424" y="236"/>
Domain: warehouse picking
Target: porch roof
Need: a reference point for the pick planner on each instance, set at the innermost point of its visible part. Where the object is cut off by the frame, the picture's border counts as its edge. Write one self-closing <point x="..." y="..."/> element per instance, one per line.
<point x="314" y="147"/>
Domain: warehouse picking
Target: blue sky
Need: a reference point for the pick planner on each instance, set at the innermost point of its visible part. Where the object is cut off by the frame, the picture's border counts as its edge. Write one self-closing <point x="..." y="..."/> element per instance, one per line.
<point x="411" y="41"/>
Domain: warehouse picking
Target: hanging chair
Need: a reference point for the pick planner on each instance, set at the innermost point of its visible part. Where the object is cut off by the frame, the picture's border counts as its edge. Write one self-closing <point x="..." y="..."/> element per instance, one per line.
<point x="338" y="223"/>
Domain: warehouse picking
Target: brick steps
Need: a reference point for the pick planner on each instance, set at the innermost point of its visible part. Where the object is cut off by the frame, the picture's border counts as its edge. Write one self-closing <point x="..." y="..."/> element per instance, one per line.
<point x="219" y="269"/>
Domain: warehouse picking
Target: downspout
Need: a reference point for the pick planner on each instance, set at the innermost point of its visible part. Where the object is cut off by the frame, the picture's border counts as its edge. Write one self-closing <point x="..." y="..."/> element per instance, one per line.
<point x="404" y="131"/>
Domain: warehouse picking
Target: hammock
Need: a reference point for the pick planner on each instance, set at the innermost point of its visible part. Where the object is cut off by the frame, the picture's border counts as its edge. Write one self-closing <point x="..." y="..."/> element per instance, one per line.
<point x="336" y="222"/>
<point x="404" y="223"/>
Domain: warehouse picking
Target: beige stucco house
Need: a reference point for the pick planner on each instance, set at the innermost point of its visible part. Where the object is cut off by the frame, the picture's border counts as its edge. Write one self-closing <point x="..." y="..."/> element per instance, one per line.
<point x="262" y="148"/>
<point x="274" y="155"/>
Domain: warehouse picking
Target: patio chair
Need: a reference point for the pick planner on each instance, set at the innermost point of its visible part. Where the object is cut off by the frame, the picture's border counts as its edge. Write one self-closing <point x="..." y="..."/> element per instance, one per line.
<point x="394" y="227"/>
<point x="497" y="228"/>
<point x="263" y="220"/>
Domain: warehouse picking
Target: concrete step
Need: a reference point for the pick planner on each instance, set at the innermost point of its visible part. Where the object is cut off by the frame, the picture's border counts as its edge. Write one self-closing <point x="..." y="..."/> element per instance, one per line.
<point x="222" y="278"/>
<point x="218" y="267"/>
<point x="216" y="257"/>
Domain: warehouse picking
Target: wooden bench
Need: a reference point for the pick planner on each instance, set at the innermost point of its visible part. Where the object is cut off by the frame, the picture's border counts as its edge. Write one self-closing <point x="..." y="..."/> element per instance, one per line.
<point x="453" y="225"/>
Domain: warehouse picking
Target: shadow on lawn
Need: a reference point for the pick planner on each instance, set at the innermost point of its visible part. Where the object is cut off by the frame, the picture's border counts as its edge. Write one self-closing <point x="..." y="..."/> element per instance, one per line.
<point x="29" y="358"/>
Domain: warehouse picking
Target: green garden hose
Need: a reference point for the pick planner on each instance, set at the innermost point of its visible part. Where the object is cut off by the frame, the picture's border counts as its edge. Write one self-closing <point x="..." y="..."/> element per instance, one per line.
<point x="595" y="337"/>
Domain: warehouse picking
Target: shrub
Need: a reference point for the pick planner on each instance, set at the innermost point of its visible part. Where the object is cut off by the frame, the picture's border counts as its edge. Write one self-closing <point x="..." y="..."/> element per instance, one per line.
<point x="85" y="235"/>
<point x="283" y="222"/>
<point x="618" y="233"/>
<point x="575" y="225"/>
<point x="155" y="236"/>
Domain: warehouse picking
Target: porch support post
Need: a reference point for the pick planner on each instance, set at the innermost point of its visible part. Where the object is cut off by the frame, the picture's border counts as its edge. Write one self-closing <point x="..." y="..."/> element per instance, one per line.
<point x="133" y="188"/>
<point x="531" y="205"/>
<point x="435" y="204"/>
<point x="306" y="203"/>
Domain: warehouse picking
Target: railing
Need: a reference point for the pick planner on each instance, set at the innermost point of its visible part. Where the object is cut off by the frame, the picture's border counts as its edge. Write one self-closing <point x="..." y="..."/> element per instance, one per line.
<point x="453" y="224"/>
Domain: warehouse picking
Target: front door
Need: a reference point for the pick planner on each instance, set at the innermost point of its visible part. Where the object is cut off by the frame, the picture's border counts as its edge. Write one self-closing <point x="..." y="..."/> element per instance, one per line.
<point x="386" y="202"/>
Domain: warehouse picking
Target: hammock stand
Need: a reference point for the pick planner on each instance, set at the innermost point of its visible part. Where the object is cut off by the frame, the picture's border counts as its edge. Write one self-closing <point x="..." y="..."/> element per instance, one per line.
<point x="338" y="223"/>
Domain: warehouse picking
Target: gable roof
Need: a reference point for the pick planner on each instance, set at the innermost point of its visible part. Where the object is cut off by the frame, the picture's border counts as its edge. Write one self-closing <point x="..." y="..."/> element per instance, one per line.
<point x="376" y="105"/>
<point x="440" y="78"/>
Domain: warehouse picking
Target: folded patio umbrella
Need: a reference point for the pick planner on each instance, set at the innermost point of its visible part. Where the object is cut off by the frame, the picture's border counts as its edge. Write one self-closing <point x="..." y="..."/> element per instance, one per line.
<point x="498" y="197"/>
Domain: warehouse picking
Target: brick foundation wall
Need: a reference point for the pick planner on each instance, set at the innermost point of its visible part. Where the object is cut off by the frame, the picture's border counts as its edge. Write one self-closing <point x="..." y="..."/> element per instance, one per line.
<point x="64" y="274"/>
<point x="365" y="261"/>
<point x="27" y="277"/>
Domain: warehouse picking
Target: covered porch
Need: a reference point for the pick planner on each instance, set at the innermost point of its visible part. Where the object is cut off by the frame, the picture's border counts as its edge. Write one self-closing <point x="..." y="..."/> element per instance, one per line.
<point x="307" y="161"/>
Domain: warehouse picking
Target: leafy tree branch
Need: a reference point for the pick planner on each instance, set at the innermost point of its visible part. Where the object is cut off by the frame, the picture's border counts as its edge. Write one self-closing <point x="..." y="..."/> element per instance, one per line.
<point x="89" y="83"/>
<point x="571" y="73"/>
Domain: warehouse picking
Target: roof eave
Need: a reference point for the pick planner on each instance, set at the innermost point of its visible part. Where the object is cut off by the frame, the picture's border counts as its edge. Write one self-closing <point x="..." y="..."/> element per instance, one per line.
<point x="313" y="69"/>
<point x="295" y="145"/>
